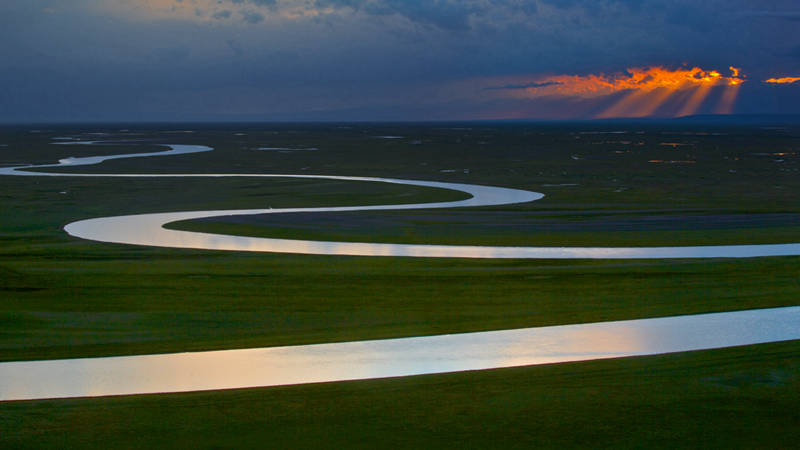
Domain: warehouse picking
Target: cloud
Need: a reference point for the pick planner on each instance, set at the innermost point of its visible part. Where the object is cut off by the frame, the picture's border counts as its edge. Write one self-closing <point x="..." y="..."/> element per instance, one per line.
<point x="785" y="15"/>
<point x="224" y="14"/>
<point x="533" y="85"/>
<point x="642" y="79"/>
<point x="235" y="47"/>
<point x="434" y="57"/>
<point x="638" y="92"/>
<point x="449" y="15"/>
<point x="251" y="17"/>
<point x="782" y="80"/>
<point x="444" y="14"/>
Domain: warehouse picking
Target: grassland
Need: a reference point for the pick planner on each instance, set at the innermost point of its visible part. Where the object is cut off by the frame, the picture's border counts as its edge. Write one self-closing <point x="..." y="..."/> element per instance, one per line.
<point x="63" y="297"/>
<point x="742" y="397"/>
<point x="514" y="228"/>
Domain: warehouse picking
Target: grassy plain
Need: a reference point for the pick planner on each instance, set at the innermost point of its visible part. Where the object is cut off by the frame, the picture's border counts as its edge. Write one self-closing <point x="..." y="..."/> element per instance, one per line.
<point x="743" y="397"/>
<point x="63" y="297"/>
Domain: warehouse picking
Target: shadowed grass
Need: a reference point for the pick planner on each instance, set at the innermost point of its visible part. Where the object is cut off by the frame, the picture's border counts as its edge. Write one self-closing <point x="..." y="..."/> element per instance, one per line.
<point x="133" y="300"/>
<point x="743" y="397"/>
<point x="63" y="297"/>
<point x="511" y="228"/>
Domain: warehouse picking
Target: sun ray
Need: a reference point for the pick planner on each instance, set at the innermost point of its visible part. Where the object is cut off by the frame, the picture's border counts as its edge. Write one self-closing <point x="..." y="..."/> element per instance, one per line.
<point x="697" y="97"/>
<point x="624" y="105"/>
<point x="640" y="91"/>
<point x="728" y="98"/>
<point x="655" y="100"/>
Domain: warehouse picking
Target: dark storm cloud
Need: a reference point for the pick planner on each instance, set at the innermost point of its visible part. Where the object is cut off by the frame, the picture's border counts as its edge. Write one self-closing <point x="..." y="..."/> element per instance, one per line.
<point x="448" y="15"/>
<point x="224" y="14"/>
<point x="252" y="17"/>
<point x="451" y="15"/>
<point x="341" y="58"/>
<point x="271" y="3"/>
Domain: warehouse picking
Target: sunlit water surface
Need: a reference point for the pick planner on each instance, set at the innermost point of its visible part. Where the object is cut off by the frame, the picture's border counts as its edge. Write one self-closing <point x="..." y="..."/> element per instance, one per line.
<point x="180" y="372"/>
<point x="147" y="229"/>
<point x="382" y="358"/>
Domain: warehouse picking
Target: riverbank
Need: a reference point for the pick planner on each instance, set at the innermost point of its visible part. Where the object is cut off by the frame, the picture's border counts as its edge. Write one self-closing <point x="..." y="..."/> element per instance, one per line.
<point x="742" y="397"/>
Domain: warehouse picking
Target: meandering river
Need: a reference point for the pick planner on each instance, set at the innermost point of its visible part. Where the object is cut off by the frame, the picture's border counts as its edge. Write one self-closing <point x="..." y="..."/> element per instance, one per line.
<point x="179" y="372"/>
<point x="148" y="229"/>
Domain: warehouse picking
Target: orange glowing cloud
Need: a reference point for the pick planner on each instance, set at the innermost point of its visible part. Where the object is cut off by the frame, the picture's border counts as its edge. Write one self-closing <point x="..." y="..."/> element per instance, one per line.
<point x="643" y="90"/>
<point x="782" y="80"/>
<point x="634" y="79"/>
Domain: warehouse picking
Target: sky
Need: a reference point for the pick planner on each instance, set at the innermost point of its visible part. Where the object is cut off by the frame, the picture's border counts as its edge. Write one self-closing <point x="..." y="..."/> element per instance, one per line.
<point x="412" y="60"/>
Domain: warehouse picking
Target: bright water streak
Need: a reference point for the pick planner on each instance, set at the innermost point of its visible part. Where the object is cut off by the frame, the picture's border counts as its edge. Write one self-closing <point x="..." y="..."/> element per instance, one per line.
<point x="181" y="372"/>
<point x="385" y="358"/>
<point x="147" y="229"/>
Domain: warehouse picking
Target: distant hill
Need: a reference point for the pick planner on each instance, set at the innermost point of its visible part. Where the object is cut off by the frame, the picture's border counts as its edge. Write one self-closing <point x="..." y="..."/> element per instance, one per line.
<point x="716" y="119"/>
<point x="700" y="119"/>
<point x="749" y="119"/>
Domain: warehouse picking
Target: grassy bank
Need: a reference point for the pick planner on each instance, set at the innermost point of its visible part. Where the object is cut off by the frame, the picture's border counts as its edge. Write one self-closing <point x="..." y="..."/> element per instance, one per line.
<point x="743" y="397"/>
<point x="79" y="302"/>
<point x="512" y="227"/>
<point x="64" y="297"/>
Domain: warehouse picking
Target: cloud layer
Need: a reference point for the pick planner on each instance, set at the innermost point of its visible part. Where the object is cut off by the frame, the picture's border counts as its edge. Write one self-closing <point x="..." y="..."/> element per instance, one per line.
<point x="389" y="59"/>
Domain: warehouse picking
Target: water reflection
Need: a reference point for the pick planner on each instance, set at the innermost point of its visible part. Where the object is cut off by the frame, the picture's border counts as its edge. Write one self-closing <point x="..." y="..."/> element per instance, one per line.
<point x="181" y="372"/>
<point x="90" y="160"/>
<point x="147" y="229"/>
<point x="384" y="358"/>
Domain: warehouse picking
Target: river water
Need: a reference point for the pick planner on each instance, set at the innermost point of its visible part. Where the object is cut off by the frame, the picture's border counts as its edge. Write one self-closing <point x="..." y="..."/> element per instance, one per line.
<point x="180" y="372"/>
<point x="228" y="369"/>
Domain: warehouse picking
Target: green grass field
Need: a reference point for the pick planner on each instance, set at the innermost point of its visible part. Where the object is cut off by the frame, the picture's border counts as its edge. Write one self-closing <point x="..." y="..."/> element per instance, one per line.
<point x="743" y="397"/>
<point x="514" y="228"/>
<point x="64" y="297"/>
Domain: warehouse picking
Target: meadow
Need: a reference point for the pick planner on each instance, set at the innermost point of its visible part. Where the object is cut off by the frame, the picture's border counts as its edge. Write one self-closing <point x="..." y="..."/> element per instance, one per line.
<point x="605" y="184"/>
